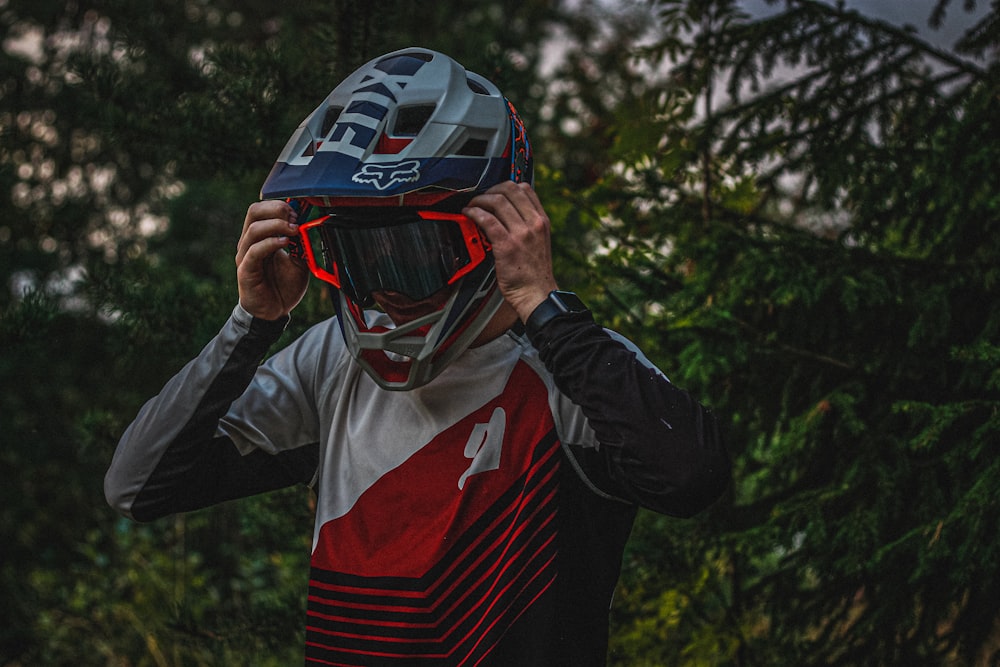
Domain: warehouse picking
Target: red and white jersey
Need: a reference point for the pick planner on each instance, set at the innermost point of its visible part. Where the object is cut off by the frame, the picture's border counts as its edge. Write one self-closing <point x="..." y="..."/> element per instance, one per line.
<point x="477" y="520"/>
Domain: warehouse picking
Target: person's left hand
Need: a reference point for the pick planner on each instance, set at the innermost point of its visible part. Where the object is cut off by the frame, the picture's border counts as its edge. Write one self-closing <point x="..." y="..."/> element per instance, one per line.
<point x="514" y="221"/>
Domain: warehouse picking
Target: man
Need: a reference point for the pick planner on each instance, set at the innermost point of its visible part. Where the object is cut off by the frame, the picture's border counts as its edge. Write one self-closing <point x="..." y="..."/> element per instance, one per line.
<point x="476" y="478"/>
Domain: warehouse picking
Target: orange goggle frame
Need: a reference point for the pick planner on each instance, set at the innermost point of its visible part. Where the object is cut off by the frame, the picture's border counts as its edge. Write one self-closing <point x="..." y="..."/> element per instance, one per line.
<point x="326" y="262"/>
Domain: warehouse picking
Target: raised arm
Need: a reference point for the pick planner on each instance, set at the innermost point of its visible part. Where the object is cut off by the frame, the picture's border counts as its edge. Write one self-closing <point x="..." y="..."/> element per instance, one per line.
<point x="174" y="457"/>
<point x="658" y="446"/>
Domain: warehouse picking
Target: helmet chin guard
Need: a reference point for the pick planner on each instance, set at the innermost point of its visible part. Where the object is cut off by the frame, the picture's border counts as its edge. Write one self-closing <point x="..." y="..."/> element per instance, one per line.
<point x="408" y="356"/>
<point x="410" y="130"/>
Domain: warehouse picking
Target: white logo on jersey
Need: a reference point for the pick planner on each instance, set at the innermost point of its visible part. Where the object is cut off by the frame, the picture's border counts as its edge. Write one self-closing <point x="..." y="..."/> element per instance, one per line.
<point x="484" y="446"/>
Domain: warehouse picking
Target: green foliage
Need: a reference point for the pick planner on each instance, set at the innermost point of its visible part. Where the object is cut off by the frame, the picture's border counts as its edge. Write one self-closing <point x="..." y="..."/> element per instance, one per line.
<point x="794" y="213"/>
<point x="814" y="253"/>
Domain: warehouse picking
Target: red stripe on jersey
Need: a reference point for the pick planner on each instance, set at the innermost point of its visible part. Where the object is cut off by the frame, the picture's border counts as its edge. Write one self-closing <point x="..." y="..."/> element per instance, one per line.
<point x="445" y="583"/>
<point x="422" y="568"/>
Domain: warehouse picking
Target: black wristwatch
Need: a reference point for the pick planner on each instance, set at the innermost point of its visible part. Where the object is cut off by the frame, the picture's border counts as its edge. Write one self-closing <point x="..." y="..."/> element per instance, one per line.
<point x="557" y="303"/>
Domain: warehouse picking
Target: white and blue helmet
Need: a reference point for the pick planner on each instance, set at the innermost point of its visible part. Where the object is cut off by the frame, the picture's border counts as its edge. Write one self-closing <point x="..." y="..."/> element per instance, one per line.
<point x="388" y="160"/>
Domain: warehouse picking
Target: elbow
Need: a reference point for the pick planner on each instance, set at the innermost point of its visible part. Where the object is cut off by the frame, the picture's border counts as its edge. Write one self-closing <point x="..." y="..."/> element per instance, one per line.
<point x="681" y="492"/>
<point x="705" y="479"/>
<point x="116" y="495"/>
<point x="676" y="490"/>
<point x="122" y="491"/>
<point x="123" y="500"/>
<point x="120" y="480"/>
<point x="681" y="475"/>
<point x="127" y="488"/>
<point x="706" y="469"/>
<point x="699" y="491"/>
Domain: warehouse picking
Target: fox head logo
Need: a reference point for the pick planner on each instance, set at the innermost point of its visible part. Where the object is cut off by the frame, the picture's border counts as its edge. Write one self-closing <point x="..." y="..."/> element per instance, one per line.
<point x="383" y="176"/>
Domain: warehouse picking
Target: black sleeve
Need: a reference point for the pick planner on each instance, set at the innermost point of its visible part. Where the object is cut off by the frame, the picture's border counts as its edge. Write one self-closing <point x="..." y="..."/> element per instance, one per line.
<point x="171" y="459"/>
<point x="658" y="446"/>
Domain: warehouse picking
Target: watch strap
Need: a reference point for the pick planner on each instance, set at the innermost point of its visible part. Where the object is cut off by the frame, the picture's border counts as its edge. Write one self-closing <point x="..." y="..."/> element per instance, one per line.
<point x="557" y="303"/>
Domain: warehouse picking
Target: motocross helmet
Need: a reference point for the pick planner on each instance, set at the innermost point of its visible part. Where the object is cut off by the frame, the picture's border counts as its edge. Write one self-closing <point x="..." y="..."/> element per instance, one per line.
<point x="379" y="173"/>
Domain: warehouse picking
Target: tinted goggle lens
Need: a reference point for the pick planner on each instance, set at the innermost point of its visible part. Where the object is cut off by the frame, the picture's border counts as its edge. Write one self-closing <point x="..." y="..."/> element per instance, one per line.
<point x="417" y="255"/>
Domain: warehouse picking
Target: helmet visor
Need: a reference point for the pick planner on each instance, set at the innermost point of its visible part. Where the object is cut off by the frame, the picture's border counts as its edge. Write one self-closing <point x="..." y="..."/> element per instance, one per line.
<point x="415" y="253"/>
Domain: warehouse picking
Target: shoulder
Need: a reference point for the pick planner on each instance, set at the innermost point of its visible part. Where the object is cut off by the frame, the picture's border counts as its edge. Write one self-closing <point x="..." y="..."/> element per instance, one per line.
<point x="319" y="350"/>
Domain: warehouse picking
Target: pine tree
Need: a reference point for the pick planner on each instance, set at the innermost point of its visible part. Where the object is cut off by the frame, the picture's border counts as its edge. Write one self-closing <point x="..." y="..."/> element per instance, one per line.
<point x="812" y="247"/>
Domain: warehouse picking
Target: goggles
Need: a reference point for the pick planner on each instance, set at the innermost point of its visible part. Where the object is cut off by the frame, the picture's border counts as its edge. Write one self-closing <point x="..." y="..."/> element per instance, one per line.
<point x="413" y="252"/>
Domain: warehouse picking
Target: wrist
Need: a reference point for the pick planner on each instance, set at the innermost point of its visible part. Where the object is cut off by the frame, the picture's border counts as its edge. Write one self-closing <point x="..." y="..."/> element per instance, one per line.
<point x="264" y="314"/>
<point x="526" y="302"/>
<point x="555" y="304"/>
<point x="526" y="307"/>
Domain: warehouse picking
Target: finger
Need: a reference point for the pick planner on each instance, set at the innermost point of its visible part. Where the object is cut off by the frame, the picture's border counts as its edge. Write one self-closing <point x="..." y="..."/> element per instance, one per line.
<point x="263" y="229"/>
<point x="520" y="196"/>
<point x="267" y="209"/>
<point x="512" y="205"/>
<point x="524" y="198"/>
<point x="494" y="215"/>
<point x="263" y="220"/>
<point x="255" y="255"/>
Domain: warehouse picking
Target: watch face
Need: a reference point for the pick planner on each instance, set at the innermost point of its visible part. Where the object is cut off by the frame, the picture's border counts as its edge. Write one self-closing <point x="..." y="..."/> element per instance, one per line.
<point x="571" y="302"/>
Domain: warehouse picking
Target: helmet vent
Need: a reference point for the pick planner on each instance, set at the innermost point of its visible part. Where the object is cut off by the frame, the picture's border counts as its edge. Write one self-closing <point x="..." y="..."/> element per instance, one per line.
<point x="329" y="120"/>
<point x="476" y="87"/>
<point x="410" y="120"/>
<point x="405" y="64"/>
<point x="473" y="148"/>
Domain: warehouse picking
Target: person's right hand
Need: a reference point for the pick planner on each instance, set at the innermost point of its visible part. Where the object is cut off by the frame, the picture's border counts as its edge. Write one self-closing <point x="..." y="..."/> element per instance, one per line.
<point x="271" y="283"/>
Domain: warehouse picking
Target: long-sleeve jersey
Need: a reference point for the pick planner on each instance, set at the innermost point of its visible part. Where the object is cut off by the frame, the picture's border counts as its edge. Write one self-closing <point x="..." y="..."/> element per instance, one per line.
<point x="477" y="520"/>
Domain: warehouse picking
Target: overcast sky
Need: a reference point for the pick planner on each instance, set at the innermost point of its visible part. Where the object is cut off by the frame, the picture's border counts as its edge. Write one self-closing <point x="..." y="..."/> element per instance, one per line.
<point x="907" y="12"/>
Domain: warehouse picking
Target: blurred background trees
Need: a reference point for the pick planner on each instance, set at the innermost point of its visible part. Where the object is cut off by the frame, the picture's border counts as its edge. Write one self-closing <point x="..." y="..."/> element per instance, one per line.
<point x="791" y="207"/>
<point x="813" y="245"/>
